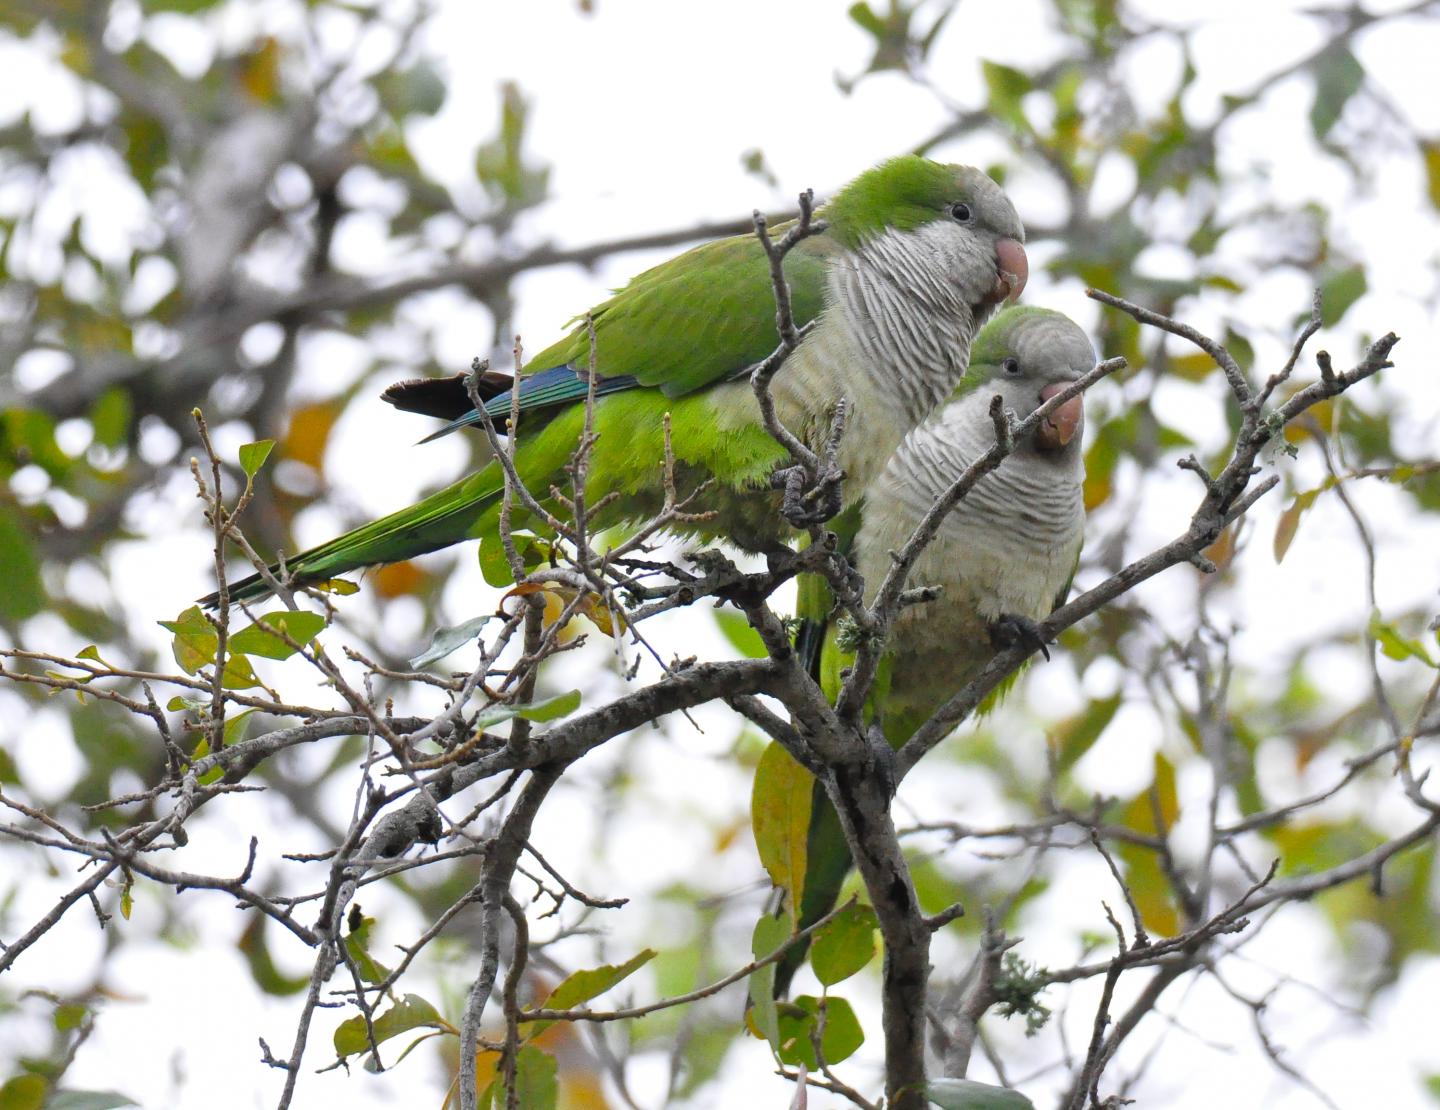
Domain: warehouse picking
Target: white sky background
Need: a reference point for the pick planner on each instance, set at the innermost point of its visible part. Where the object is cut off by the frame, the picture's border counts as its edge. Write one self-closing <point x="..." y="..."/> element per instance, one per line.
<point x="644" y="110"/>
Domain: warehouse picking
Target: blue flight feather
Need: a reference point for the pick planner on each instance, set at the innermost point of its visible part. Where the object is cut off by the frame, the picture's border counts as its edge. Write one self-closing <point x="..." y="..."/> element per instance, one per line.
<point x="559" y="385"/>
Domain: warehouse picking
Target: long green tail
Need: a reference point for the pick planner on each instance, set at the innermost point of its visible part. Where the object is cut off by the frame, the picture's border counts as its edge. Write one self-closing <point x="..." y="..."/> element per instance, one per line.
<point x="446" y="517"/>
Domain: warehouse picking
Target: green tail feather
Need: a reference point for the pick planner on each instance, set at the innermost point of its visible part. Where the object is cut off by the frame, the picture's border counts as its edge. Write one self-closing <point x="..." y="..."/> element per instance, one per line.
<point x="446" y="517"/>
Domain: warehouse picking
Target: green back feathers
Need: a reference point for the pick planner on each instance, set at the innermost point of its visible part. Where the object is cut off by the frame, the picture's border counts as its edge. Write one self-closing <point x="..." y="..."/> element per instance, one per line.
<point x="697" y="319"/>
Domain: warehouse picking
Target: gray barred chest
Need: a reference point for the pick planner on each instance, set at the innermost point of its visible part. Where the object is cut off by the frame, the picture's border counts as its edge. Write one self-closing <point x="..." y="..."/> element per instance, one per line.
<point x="988" y="561"/>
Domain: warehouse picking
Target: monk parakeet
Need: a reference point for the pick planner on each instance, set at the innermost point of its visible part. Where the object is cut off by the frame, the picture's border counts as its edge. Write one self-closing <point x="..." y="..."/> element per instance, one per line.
<point x="1004" y="556"/>
<point x="916" y="257"/>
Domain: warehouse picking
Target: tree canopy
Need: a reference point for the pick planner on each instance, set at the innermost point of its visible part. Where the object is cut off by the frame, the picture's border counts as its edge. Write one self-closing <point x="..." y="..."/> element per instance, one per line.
<point x="1194" y="851"/>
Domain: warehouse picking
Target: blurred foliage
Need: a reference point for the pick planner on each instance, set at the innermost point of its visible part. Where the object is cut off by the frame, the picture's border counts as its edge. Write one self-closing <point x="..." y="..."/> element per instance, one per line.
<point x="245" y="175"/>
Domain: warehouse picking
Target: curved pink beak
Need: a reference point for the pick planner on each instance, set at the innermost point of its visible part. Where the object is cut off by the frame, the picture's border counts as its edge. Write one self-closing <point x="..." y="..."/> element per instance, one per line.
<point x="1059" y="428"/>
<point x="1012" y="271"/>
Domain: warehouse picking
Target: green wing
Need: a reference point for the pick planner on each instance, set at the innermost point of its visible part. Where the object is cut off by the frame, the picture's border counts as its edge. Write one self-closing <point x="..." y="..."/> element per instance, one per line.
<point x="697" y="319"/>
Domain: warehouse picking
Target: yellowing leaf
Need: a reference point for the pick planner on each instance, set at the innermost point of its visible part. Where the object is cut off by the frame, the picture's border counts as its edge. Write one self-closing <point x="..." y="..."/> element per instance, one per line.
<point x="1285" y="530"/>
<point x="398" y="579"/>
<point x="309" y="432"/>
<point x="1289" y="522"/>
<point x="24" y="1092"/>
<point x="260" y="72"/>
<point x="1192" y="368"/>
<point x="1432" y="171"/>
<point x="1223" y="549"/>
<point x="780" y="804"/>
<point x="195" y="640"/>
<point x="1140" y="815"/>
<point x="560" y="598"/>
<point x="1151" y="890"/>
<point x="340" y="587"/>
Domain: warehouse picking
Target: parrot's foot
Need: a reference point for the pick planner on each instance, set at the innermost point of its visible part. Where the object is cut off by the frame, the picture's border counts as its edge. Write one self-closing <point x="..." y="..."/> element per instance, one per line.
<point x="803" y="507"/>
<point x="1009" y="630"/>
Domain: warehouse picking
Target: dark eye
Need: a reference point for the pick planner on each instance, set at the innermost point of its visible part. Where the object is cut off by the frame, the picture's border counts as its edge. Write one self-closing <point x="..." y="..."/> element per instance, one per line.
<point x="1011" y="366"/>
<point x="962" y="213"/>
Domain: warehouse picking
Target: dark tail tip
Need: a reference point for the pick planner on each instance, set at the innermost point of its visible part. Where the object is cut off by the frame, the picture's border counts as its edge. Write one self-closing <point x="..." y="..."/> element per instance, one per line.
<point x="253" y="588"/>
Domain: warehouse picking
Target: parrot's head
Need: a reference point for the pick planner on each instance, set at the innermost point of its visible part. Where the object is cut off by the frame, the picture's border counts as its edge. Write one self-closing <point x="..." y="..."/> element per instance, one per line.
<point x="1027" y="355"/>
<point x="940" y="223"/>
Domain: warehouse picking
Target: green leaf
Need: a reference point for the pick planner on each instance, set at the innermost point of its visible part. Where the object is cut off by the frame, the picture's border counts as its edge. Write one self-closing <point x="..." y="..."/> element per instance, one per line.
<point x="236" y="726"/>
<point x="88" y="1100"/>
<point x="263" y="638"/>
<point x="494" y="565"/>
<point x="69" y="1016"/>
<point x="357" y="943"/>
<point x="1007" y="87"/>
<point x="411" y="1012"/>
<point x="780" y="804"/>
<point x="735" y="628"/>
<point x="537" y="1086"/>
<point x="30" y="434"/>
<point x="263" y="970"/>
<point x="451" y="639"/>
<point x="195" y="640"/>
<point x="23" y="594"/>
<point x="551" y="709"/>
<point x="1075" y="737"/>
<point x="500" y="164"/>
<point x="866" y="19"/>
<point x="1393" y="644"/>
<point x="184" y="7"/>
<point x="840" y="1036"/>
<point x="1338" y="76"/>
<point x="845" y="945"/>
<point x="419" y="90"/>
<point x="770" y="933"/>
<point x="110" y="417"/>
<point x="966" y="1094"/>
<point x="253" y="456"/>
<point x="581" y="986"/>
<point x="1339" y="291"/>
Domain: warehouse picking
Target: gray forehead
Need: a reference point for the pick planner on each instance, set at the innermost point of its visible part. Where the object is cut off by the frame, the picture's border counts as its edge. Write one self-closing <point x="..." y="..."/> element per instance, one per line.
<point x="999" y="212"/>
<point x="1051" y="344"/>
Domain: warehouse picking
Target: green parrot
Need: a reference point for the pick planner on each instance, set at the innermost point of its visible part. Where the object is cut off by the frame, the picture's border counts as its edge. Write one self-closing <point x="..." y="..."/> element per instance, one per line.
<point x="1004" y="557"/>
<point x="916" y="256"/>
